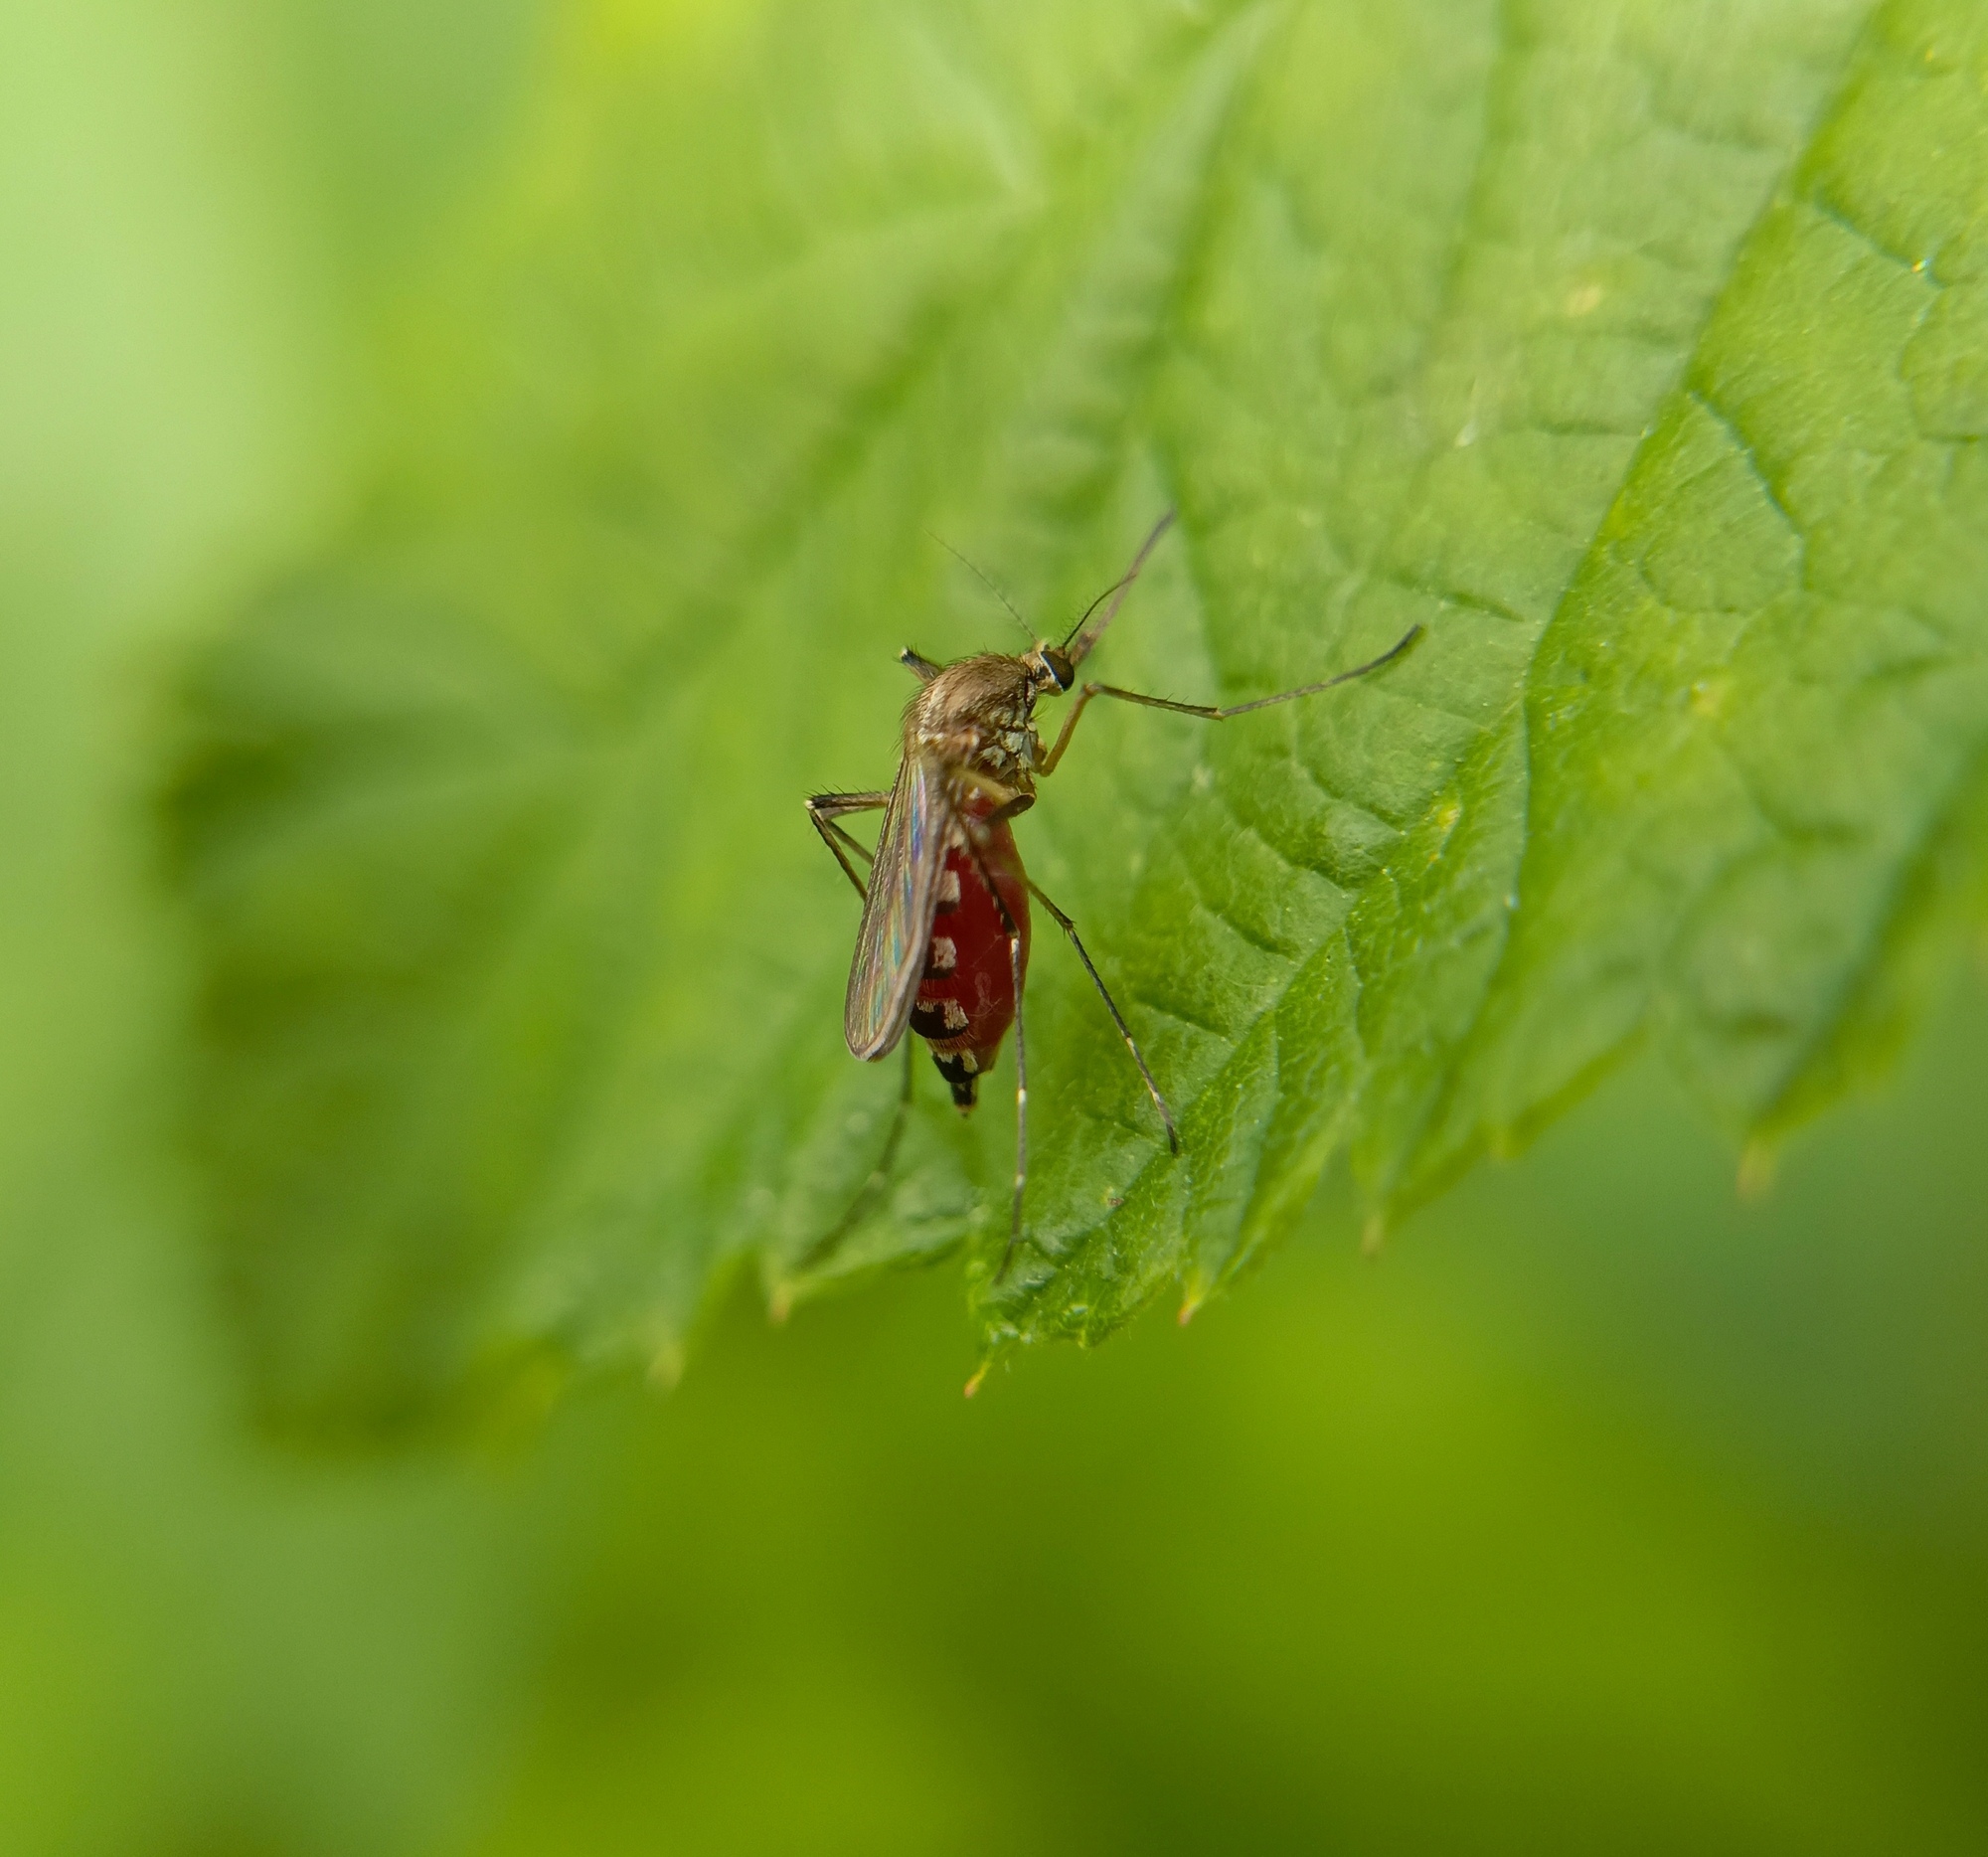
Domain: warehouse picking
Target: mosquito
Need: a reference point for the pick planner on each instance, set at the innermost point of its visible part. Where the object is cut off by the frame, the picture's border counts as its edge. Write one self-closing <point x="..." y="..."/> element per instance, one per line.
<point x="943" y="946"/>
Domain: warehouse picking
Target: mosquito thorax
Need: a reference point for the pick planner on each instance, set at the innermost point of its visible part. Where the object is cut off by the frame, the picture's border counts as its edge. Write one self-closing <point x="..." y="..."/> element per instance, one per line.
<point x="975" y="716"/>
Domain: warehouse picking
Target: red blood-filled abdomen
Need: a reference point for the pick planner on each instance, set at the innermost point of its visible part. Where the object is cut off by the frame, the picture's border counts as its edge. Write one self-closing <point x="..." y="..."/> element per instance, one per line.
<point x="966" y="1000"/>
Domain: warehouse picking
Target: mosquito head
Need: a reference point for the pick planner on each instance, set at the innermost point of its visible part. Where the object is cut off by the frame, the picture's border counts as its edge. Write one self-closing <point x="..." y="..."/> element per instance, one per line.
<point x="1050" y="672"/>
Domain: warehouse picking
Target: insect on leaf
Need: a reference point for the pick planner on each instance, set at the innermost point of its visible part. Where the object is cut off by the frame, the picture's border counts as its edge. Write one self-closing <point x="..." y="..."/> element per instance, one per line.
<point x="1630" y="349"/>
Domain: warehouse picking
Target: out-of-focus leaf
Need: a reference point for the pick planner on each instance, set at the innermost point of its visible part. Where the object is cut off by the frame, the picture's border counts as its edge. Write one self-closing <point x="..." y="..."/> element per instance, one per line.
<point x="1623" y="347"/>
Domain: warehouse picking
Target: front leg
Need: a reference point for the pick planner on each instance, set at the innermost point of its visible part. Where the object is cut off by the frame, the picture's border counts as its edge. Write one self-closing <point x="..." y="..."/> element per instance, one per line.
<point x="1003" y="802"/>
<point x="1210" y="711"/>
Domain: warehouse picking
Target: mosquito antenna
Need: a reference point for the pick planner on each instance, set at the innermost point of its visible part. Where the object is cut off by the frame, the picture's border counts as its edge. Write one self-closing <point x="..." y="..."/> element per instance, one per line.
<point x="987" y="581"/>
<point x="1076" y="647"/>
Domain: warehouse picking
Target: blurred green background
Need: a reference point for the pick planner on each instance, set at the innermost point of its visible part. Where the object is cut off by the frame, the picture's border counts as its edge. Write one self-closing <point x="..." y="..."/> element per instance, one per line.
<point x="1602" y="1512"/>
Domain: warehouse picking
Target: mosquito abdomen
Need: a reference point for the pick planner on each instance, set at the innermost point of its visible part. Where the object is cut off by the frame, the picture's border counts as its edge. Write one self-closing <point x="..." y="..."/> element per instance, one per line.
<point x="966" y="999"/>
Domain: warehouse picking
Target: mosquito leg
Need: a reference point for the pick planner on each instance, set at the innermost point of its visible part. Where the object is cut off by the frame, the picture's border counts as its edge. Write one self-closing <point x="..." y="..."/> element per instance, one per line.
<point x="825" y="808"/>
<point x="1118" y="1018"/>
<point x="1209" y="712"/>
<point x="866" y="1195"/>
<point x="848" y="843"/>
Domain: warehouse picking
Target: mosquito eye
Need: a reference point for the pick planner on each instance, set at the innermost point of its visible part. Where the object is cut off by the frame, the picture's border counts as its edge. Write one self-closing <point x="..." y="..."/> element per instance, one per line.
<point x="1059" y="667"/>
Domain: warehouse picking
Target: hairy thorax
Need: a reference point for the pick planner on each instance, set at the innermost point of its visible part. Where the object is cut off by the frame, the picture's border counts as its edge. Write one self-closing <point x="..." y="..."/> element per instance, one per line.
<point x="974" y="718"/>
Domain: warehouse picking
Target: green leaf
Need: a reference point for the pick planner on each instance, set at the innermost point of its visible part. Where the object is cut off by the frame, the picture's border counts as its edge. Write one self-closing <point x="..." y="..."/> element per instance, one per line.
<point x="1629" y="349"/>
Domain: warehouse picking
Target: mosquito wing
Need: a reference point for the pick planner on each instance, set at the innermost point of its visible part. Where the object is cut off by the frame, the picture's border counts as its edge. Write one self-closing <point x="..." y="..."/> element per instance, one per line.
<point x="897" y="910"/>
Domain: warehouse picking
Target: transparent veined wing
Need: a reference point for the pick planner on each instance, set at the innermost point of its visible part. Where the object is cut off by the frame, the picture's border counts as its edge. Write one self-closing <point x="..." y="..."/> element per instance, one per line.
<point x="897" y="910"/>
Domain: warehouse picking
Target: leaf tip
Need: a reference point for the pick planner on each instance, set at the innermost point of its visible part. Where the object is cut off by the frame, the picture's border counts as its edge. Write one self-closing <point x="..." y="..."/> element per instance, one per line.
<point x="973" y="1386"/>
